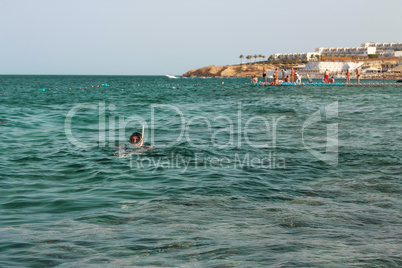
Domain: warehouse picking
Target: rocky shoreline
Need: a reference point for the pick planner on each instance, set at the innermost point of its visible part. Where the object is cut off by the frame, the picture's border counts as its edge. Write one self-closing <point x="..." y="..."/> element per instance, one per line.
<point x="244" y="70"/>
<point x="249" y="70"/>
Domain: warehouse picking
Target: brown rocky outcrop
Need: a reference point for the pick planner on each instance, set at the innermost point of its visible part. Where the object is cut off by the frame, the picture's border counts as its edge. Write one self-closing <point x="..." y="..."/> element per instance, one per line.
<point x="244" y="70"/>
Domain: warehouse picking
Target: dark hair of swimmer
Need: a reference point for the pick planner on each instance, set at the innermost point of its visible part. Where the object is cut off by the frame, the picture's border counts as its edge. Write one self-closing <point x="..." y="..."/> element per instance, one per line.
<point x="135" y="138"/>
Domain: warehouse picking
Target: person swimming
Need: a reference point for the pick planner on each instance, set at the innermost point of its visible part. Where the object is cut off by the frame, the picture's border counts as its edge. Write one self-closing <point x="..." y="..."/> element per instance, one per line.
<point x="136" y="145"/>
<point x="136" y="139"/>
<point x="255" y="79"/>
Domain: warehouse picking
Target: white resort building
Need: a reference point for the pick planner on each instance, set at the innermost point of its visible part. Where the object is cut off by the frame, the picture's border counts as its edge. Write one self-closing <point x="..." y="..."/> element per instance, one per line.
<point x="332" y="67"/>
<point x="384" y="46"/>
<point x="345" y="51"/>
<point x="295" y="56"/>
<point x="339" y="59"/>
<point x="389" y="53"/>
<point x="382" y="49"/>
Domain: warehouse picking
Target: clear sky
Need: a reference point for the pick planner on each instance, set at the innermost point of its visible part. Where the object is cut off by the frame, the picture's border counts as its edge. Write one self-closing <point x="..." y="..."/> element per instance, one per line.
<point x="145" y="37"/>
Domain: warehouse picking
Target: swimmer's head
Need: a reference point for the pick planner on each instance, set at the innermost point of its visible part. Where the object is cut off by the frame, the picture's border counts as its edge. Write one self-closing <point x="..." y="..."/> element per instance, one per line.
<point x="135" y="138"/>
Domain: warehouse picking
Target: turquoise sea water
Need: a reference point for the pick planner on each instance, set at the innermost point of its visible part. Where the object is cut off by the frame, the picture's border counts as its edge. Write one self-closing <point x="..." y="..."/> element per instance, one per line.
<point x="238" y="176"/>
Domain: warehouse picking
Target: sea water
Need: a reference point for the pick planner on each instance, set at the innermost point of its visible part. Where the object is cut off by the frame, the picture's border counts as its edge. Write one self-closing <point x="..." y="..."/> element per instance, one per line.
<point x="233" y="175"/>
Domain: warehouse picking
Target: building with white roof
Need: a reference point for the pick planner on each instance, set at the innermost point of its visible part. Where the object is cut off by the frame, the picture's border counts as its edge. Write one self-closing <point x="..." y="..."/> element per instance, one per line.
<point x="346" y="51"/>
<point x="384" y="46"/>
<point x="326" y="51"/>
<point x="332" y="67"/>
<point x="393" y="49"/>
<point x="295" y="56"/>
<point x="389" y="53"/>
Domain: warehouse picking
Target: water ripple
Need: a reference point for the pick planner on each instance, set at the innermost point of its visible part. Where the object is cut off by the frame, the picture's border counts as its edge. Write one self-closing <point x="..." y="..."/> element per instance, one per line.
<point x="203" y="201"/>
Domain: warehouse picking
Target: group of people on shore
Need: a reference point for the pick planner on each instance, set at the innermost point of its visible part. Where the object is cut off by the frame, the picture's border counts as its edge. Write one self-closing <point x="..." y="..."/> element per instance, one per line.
<point x="326" y="76"/>
<point x="295" y="77"/>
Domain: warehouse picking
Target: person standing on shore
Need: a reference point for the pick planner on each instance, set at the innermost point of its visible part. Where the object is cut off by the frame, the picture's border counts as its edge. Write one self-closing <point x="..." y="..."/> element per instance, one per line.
<point x="298" y="79"/>
<point x="358" y="75"/>
<point x="348" y="76"/>
<point x="292" y="75"/>
<point x="276" y="73"/>
<point x="326" y="76"/>
<point x="264" y="74"/>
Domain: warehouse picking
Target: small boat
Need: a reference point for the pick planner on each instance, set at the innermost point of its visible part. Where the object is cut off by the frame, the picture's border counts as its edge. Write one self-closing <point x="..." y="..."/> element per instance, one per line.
<point x="170" y="76"/>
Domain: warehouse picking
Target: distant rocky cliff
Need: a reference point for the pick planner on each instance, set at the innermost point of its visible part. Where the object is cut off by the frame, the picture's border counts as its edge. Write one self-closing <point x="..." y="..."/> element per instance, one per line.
<point x="244" y="70"/>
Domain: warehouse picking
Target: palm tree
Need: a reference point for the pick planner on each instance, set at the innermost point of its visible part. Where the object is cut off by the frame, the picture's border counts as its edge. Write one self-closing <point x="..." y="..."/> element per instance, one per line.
<point x="255" y="57"/>
<point x="260" y="56"/>
<point x="249" y="57"/>
<point x="241" y="58"/>
<point x="297" y="58"/>
<point x="271" y="58"/>
<point x="263" y="57"/>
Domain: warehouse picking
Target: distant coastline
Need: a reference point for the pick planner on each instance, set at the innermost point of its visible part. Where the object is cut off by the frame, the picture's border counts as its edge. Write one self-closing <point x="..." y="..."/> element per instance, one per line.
<point x="249" y="70"/>
<point x="374" y="60"/>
